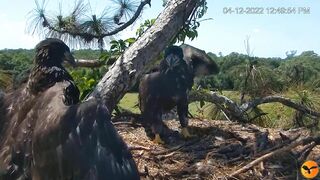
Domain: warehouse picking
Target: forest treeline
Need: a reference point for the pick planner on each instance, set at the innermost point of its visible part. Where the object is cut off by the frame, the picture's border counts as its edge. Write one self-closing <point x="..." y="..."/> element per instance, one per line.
<point x="271" y="74"/>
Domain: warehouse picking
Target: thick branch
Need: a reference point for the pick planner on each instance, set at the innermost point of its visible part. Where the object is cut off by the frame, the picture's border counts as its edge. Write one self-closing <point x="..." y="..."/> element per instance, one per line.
<point x="279" y="99"/>
<point x="226" y="104"/>
<point x="94" y="63"/>
<point x="88" y="63"/>
<point x="238" y="112"/>
<point x="123" y="74"/>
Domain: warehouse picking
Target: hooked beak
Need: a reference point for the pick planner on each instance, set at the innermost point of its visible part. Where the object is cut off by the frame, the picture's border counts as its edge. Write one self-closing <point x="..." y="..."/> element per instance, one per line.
<point x="68" y="57"/>
<point x="172" y="61"/>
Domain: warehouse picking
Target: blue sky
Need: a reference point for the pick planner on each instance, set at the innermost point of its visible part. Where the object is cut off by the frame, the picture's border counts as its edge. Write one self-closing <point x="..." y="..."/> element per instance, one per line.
<point x="270" y="35"/>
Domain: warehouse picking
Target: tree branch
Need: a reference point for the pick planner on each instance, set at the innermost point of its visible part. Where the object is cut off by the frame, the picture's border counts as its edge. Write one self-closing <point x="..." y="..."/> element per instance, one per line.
<point x="237" y="112"/>
<point x="285" y="101"/>
<point x="89" y="63"/>
<point x="76" y="32"/>
<point x="226" y="104"/>
<point x="268" y="155"/>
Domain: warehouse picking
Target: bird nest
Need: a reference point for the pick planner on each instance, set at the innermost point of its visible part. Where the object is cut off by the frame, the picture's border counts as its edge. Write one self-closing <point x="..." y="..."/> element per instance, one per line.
<point x="221" y="150"/>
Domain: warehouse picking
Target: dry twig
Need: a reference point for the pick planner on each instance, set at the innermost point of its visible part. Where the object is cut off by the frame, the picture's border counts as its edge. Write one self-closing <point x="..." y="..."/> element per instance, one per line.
<point x="137" y="148"/>
<point x="175" y="148"/>
<point x="269" y="155"/>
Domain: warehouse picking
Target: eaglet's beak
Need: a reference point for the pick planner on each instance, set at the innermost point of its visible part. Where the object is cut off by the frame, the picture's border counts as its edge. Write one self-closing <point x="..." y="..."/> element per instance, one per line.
<point x="172" y="61"/>
<point x="68" y="57"/>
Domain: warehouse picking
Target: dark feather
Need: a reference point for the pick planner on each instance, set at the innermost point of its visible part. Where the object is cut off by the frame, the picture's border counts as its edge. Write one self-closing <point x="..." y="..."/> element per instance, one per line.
<point x="83" y="142"/>
<point x="48" y="69"/>
<point x="161" y="91"/>
<point x="168" y="85"/>
<point x="47" y="134"/>
<point x="175" y="68"/>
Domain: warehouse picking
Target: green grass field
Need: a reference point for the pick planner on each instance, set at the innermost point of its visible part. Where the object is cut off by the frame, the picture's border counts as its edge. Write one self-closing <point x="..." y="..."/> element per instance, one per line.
<point x="278" y="115"/>
<point x="130" y="102"/>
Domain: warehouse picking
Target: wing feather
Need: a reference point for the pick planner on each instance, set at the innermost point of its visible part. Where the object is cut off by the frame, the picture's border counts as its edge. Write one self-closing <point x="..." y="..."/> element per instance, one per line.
<point x="82" y="142"/>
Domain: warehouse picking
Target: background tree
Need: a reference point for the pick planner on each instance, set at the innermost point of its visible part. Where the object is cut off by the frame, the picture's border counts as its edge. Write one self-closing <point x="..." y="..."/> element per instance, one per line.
<point x="291" y="54"/>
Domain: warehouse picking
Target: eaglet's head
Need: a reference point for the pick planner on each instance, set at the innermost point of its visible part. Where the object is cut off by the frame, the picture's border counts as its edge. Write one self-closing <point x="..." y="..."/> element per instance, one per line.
<point x="173" y="57"/>
<point x="52" y="52"/>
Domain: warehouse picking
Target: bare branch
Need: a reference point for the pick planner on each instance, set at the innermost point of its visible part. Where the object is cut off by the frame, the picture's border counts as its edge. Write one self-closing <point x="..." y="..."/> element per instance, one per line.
<point x="224" y="103"/>
<point x="285" y="101"/>
<point x="271" y="154"/>
<point x="138" y="148"/>
<point x="238" y="112"/>
<point x="89" y="63"/>
<point x="175" y="148"/>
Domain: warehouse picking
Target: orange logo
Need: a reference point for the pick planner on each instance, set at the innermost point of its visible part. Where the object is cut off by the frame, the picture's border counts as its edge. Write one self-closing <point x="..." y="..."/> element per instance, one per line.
<point x="309" y="169"/>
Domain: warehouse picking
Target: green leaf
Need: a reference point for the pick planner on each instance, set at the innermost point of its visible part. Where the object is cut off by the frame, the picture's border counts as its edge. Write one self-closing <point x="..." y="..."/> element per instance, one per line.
<point x="130" y="40"/>
<point x="113" y="46"/>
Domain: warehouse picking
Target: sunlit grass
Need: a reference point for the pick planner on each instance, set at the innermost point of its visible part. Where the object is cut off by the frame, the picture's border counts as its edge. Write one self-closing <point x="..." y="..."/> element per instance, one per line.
<point x="130" y="102"/>
<point x="278" y="115"/>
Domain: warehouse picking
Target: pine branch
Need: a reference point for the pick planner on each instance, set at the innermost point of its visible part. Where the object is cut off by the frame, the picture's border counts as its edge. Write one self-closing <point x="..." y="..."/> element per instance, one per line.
<point x="75" y="30"/>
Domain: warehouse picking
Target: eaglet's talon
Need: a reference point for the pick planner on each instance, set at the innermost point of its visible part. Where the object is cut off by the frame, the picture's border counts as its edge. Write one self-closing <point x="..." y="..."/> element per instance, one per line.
<point x="185" y="133"/>
<point x="158" y="140"/>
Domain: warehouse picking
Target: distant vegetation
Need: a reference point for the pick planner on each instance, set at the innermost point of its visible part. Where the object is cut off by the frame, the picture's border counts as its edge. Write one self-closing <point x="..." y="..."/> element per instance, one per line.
<point x="296" y="77"/>
<point x="272" y="74"/>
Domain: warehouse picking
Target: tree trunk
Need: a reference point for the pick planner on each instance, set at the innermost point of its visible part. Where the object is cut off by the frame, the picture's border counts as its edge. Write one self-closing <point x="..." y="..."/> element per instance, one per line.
<point x="124" y="73"/>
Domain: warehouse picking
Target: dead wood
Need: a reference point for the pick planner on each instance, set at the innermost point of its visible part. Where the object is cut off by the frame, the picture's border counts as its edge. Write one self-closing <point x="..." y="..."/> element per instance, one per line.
<point x="238" y="112"/>
<point x="126" y="123"/>
<point x="137" y="148"/>
<point x="176" y="148"/>
<point x="284" y="143"/>
<point x="182" y="159"/>
<point x="305" y="152"/>
<point x="278" y="151"/>
<point x="285" y="101"/>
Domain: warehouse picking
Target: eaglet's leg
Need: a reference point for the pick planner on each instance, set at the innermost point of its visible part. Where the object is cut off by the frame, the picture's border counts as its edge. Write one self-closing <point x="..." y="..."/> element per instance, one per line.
<point x="182" y="108"/>
<point x="157" y="126"/>
<point x="152" y="122"/>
